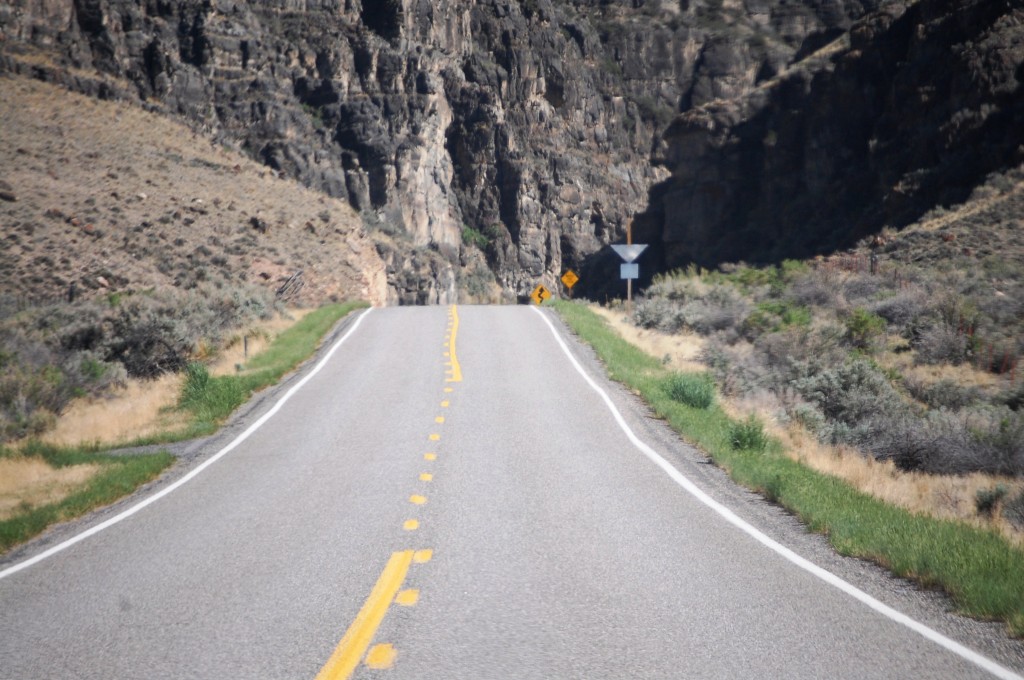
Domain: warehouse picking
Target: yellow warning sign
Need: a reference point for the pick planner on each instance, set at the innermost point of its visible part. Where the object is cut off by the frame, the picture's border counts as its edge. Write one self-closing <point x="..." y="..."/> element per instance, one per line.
<point x="540" y="294"/>
<point x="569" y="278"/>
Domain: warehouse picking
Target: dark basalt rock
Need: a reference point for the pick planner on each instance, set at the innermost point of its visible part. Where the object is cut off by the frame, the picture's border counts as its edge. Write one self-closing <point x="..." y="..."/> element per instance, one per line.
<point x="532" y="122"/>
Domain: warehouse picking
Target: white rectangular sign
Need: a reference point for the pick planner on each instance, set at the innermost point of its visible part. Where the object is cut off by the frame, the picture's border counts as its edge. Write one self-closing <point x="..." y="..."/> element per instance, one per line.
<point x="629" y="271"/>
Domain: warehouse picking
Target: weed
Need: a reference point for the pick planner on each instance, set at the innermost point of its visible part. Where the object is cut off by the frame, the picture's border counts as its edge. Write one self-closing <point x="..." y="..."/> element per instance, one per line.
<point x="473" y="237"/>
<point x="696" y="390"/>
<point x="748" y="435"/>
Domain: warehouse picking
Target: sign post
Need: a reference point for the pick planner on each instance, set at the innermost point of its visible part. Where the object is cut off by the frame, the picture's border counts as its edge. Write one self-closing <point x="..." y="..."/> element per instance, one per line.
<point x="629" y="271"/>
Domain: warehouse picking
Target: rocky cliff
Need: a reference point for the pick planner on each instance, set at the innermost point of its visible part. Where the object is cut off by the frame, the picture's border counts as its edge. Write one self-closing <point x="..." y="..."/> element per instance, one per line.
<point x="909" y="109"/>
<point x="488" y="141"/>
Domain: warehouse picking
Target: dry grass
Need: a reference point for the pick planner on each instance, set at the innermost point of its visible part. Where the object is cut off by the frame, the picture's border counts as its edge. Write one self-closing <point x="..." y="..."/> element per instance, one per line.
<point x="942" y="496"/>
<point x="30" y="482"/>
<point x="140" y="409"/>
<point x="259" y="338"/>
<point x="682" y="349"/>
<point x="145" y="407"/>
<point x="113" y="198"/>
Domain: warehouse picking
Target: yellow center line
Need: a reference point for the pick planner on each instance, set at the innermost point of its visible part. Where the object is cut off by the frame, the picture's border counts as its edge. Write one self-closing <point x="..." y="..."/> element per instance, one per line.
<point x="456" y="369"/>
<point x="360" y="634"/>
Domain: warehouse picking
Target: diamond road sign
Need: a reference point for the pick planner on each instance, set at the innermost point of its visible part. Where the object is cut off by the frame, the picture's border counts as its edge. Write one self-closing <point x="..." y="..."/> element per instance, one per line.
<point x="629" y="252"/>
<point x="569" y="278"/>
<point x="540" y="294"/>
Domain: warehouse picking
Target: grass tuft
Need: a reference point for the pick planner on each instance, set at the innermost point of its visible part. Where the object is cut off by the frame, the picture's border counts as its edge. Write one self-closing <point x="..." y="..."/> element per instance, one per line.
<point x="748" y="435"/>
<point x="697" y="391"/>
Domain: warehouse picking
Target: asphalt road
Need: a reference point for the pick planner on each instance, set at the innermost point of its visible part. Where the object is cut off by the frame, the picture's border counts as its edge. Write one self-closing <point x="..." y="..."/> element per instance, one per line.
<point x="398" y="517"/>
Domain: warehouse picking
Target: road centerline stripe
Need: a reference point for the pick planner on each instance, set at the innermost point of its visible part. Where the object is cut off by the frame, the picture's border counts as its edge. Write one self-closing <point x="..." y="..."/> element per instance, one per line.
<point x="455" y="370"/>
<point x="360" y="634"/>
<point x="828" y="577"/>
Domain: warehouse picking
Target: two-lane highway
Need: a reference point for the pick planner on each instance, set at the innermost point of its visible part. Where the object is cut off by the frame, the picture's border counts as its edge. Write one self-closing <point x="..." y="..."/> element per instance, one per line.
<point x="447" y="497"/>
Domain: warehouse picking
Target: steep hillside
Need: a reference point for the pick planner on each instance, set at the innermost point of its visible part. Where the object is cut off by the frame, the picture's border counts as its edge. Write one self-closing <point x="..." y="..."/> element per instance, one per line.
<point x="104" y="197"/>
<point x="515" y="133"/>
<point x="909" y="110"/>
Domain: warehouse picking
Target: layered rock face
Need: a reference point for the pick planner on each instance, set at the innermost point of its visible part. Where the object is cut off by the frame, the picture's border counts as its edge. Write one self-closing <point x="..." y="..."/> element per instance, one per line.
<point x="909" y="109"/>
<point x="515" y="134"/>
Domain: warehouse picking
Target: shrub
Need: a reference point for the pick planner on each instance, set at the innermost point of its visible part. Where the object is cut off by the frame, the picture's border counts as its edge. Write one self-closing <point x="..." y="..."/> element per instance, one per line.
<point x="902" y="308"/>
<point x="693" y="390"/>
<point x="941" y="344"/>
<point x="659" y="313"/>
<point x="863" y="328"/>
<point x="473" y="237"/>
<point x="850" y="394"/>
<point x="748" y="435"/>
<point x="985" y="500"/>
<point x="947" y="394"/>
<point x="862" y="287"/>
<point x="947" y="443"/>
<point x="811" y="290"/>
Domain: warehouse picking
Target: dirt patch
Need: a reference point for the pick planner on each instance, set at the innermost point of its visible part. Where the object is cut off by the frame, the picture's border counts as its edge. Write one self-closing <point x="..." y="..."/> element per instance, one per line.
<point x="29" y="482"/>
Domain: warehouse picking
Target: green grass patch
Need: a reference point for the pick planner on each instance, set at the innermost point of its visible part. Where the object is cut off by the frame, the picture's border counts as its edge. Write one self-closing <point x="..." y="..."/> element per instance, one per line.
<point x="211" y="399"/>
<point x="692" y="389"/>
<point x="117" y="477"/>
<point x="981" y="571"/>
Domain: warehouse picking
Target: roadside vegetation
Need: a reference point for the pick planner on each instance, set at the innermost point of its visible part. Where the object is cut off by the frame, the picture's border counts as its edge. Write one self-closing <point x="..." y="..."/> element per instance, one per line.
<point x="981" y="569"/>
<point x="54" y="354"/>
<point x="113" y="477"/>
<point x="211" y="399"/>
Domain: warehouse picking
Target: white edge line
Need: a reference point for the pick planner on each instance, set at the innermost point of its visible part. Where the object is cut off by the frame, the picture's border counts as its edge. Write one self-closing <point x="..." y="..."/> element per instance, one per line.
<point x="825" y="575"/>
<point x="13" y="569"/>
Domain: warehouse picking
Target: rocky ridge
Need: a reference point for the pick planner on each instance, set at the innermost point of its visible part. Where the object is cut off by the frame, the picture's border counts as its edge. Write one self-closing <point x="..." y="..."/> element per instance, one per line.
<point x="911" y="109"/>
<point x="498" y="141"/>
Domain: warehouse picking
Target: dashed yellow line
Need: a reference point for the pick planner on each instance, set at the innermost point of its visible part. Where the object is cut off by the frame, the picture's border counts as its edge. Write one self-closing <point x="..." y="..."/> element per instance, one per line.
<point x="381" y="657"/>
<point x="359" y="635"/>
<point x="408" y="597"/>
<point x="455" y="372"/>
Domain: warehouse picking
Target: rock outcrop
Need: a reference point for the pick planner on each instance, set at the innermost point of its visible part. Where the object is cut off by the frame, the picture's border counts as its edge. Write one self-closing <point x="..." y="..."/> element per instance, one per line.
<point x="519" y="133"/>
<point x="908" y="110"/>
